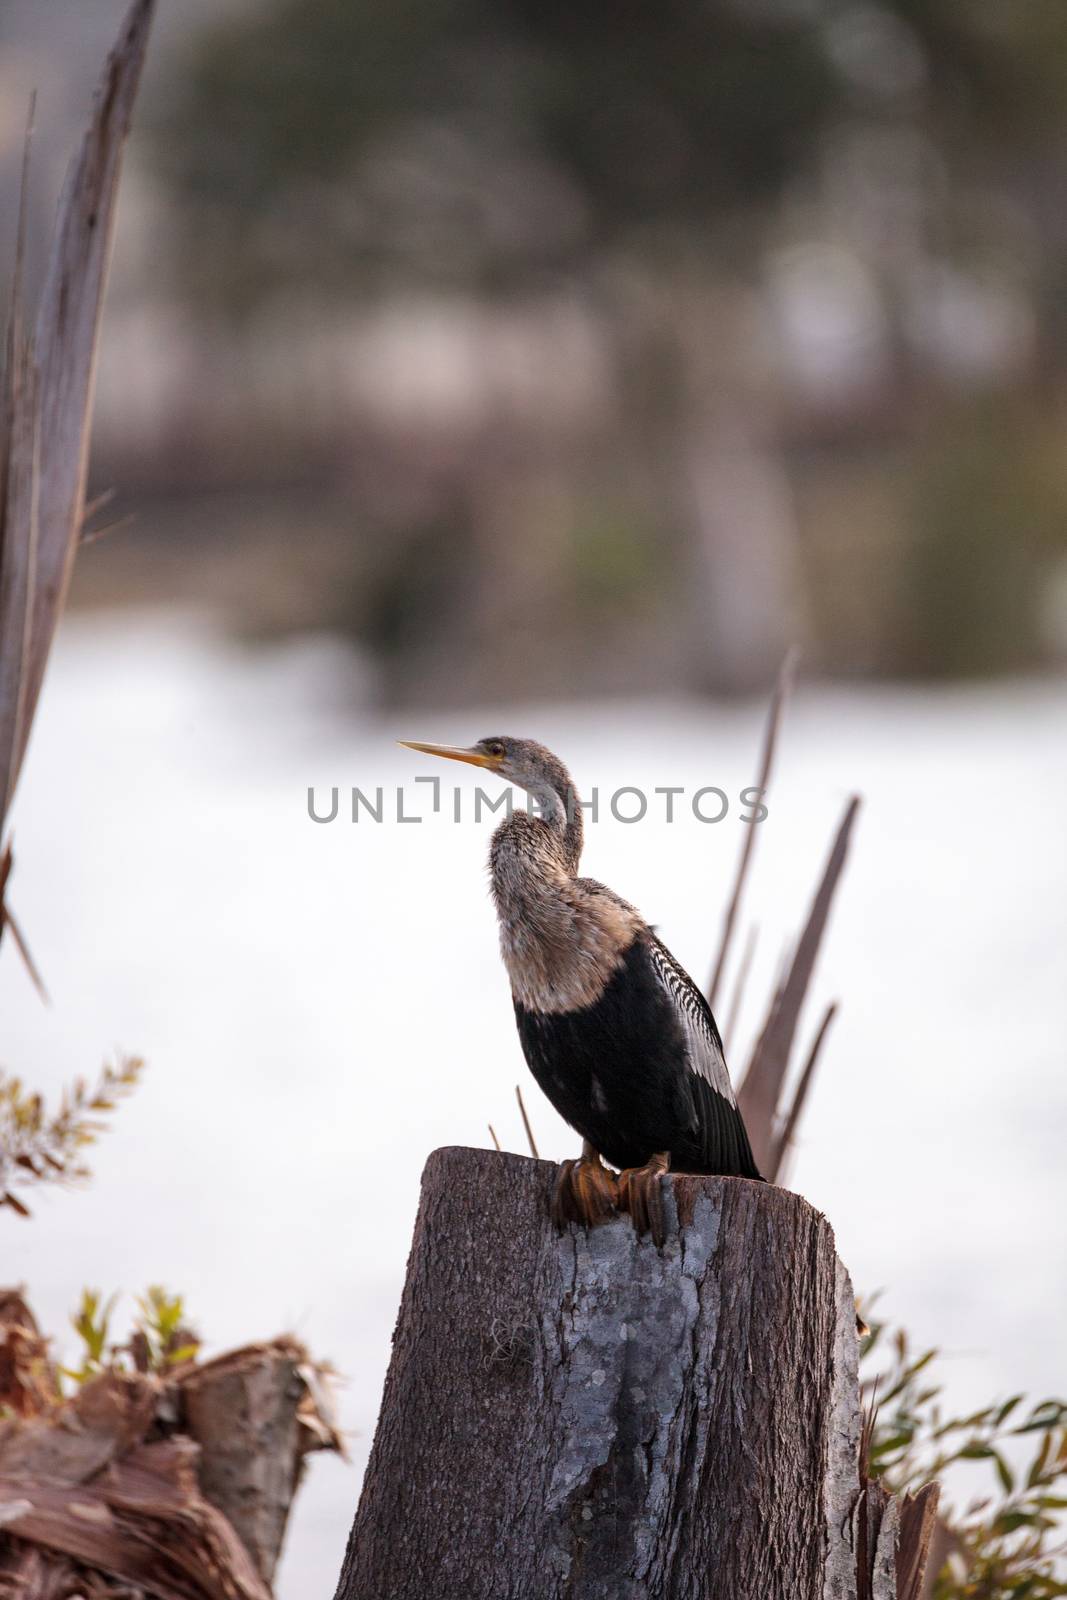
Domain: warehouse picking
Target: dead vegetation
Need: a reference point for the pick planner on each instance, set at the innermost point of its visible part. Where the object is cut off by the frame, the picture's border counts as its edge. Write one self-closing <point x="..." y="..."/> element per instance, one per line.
<point x="46" y="406"/>
<point x="173" y="1483"/>
<point x="771" y="1115"/>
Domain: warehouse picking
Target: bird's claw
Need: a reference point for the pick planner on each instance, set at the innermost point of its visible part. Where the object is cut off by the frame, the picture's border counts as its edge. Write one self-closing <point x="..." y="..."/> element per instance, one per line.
<point x="640" y="1192"/>
<point x="585" y="1193"/>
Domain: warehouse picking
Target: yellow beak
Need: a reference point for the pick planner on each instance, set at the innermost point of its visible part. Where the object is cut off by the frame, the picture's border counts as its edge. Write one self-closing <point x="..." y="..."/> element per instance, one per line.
<point x="453" y="752"/>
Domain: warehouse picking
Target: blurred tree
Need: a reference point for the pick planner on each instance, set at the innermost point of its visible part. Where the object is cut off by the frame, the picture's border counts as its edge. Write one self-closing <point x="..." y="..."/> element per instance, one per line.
<point x="987" y="526"/>
<point x="476" y="143"/>
<point x="495" y="144"/>
<point x="700" y="184"/>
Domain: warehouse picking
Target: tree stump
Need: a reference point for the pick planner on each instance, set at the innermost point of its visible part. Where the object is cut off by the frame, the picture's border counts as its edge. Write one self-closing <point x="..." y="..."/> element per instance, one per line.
<point x="587" y="1416"/>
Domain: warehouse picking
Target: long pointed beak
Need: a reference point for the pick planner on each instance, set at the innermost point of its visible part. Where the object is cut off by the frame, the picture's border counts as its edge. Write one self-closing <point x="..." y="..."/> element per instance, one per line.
<point x="452" y="752"/>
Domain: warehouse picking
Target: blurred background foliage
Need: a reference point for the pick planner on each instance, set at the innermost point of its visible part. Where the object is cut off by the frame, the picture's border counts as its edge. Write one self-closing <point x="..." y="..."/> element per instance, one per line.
<point x="645" y="339"/>
<point x="1005" y="1542"/>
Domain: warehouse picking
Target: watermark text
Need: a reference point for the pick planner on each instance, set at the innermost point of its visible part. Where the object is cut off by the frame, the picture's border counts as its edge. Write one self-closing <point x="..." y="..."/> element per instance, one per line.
<point x="628" y="804"/>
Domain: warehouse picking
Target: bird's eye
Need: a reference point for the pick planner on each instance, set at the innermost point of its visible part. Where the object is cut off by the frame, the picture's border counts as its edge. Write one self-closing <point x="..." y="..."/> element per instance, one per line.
<point x="496" y="748"/>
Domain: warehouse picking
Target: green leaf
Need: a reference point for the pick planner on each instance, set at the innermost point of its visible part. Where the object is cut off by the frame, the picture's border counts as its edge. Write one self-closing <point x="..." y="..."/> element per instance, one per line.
<point x="1046" y="1415"/>
<point x="885" y="1447"/>
<point x="185" y="1352"/>
<point x="1011" y="1521"/>
<point x="1040" y="1462"/>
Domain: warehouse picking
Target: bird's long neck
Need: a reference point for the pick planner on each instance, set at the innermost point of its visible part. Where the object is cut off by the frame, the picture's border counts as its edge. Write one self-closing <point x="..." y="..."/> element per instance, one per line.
<point x="560" y="811"/>
<point x="533" y="861"/>
<point x="566" y="822"/>
<point x="573" y="829"/>
<point x="561" y="937"/>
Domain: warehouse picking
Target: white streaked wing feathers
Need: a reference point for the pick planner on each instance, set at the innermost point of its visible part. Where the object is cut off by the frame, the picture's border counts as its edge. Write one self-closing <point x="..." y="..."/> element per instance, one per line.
<point x="704" y="1050"/>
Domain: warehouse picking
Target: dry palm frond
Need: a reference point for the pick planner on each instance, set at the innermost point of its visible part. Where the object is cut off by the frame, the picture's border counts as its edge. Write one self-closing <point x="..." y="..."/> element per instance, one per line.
<point x="770" y="739"/>
<point x="792" y="1116"/>
<point x="46" y="404"/>
<point x="761" y="1090"/>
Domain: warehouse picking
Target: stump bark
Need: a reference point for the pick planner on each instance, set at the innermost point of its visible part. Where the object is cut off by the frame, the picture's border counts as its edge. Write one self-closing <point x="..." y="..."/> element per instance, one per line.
<point x="587" y="1417"/>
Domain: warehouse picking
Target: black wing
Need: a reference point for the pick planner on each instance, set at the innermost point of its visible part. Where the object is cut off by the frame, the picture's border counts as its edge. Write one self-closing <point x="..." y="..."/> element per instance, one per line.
<point x="722" y="1134"/>
<point x="703" y="1044"/>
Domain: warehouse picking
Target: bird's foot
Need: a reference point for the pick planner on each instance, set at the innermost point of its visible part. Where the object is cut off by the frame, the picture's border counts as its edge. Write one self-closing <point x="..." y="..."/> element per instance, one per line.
<point x="585" y="1192"/>
<point x="641" y="1194"/>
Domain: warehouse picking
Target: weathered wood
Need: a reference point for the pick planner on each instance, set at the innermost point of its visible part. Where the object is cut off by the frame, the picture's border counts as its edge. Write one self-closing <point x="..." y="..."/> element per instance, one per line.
<point x="249" y="1411"/>
<point x="173" y="1484"/>
<point x="586" y="1416"/>
<point x="918" y="1526"/>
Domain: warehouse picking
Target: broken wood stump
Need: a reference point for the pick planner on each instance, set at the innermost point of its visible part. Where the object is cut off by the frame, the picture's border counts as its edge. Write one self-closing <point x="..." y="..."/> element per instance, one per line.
<point x="173" y="1484"/>
<point x="587" y="1416"/>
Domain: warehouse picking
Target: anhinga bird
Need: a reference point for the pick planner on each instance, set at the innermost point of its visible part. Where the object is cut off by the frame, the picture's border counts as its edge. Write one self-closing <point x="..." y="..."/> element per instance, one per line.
<point x="616" y="1033"/>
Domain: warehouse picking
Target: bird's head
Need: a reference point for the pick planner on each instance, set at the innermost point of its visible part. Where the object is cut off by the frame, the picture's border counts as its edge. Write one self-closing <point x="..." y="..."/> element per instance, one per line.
<point x="522" y="762"/>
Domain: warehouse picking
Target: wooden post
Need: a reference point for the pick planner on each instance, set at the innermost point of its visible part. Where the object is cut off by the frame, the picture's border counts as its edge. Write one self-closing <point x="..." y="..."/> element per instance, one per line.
<point x="586" y="1416"/>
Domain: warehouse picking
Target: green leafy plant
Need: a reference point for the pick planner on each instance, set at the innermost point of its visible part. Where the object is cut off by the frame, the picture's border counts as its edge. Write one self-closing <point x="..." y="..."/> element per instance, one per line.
<point x="91" y="1322"/>
<point x="167" y="1339"/>
<point x="1008" y="1543"/>
<point x="160" y="1340"/>
<point x="38" y="1146"/>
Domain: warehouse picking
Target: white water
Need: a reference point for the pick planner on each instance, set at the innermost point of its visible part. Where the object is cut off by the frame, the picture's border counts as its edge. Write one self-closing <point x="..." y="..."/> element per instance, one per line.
<point x="320" y="1006"/>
